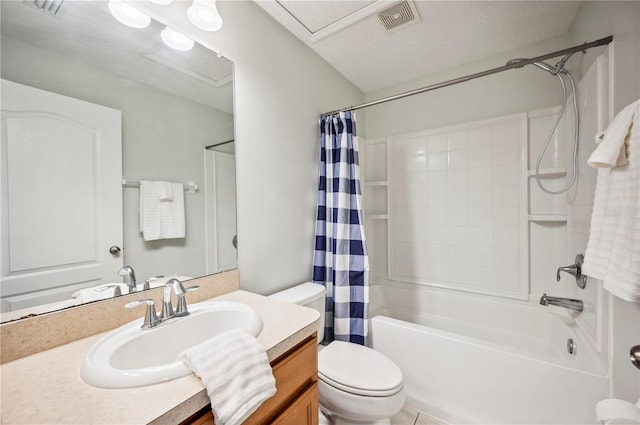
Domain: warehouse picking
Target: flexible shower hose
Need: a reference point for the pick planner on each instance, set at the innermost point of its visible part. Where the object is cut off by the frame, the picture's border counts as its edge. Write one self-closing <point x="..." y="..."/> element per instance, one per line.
<point x="552" y="131"/>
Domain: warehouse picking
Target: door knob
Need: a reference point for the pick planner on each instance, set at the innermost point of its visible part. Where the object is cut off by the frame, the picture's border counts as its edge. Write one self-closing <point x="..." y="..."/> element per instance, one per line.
<point x="574" y="270"/>
<point x="114" y="250"/>
<point x="635" y="355"/>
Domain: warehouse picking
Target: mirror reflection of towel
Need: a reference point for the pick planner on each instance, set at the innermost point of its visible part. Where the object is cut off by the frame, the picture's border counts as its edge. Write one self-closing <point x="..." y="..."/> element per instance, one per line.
<point x="161" y="218"/>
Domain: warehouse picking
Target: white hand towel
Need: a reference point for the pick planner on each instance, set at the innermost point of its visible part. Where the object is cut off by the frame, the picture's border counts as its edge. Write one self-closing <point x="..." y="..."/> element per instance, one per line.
<point x="613" y="249"/>
<point x="161" y="219"/>
<point x="235" y="369"/>
<point x="613" y="143"/>
<point x="165" y="191"/>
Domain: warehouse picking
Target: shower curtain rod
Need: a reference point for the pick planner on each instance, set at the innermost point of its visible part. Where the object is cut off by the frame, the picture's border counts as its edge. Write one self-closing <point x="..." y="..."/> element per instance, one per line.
<point x="581" y="48"/>
<point x="220" y="144"/>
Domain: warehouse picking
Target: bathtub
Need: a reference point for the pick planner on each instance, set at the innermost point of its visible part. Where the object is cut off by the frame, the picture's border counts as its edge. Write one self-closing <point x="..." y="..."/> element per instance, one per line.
<point x="483" y="360"/>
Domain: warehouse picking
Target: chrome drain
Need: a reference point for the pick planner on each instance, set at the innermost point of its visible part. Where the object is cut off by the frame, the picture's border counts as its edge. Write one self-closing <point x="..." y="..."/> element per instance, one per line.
<point x="571" y="346"/>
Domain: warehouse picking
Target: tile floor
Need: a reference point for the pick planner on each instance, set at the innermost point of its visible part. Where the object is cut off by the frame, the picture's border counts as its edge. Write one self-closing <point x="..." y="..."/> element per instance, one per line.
<point x="410" y="416"/>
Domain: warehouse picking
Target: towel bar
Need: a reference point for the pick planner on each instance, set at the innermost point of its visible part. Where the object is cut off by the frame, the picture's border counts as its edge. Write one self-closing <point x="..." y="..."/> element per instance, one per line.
<point x="189" y="187"/>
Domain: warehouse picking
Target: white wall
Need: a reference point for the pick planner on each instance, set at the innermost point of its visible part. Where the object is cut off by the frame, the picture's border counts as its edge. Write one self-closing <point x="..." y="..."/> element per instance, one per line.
<point x="281" y="88"/>
<point x="622" y="20"/>
<point x="163" y="138"/>
<point x="514" y="91"/>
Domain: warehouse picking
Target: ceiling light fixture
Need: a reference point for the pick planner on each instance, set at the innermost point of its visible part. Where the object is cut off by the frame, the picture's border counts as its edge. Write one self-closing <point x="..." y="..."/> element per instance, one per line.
<point x="176" y="40"/>
<point x="162" y="2"/>
<point x="128" y="15"/>
<point x="204" y="15"/>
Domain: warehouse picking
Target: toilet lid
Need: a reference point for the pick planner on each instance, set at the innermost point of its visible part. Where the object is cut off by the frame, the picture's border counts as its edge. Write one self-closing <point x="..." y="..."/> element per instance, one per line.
<point x="358" y="370"/>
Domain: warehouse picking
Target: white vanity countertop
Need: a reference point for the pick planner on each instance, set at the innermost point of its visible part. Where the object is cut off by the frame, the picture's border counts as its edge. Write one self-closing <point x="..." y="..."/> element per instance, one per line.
<point x="45" y="388"/>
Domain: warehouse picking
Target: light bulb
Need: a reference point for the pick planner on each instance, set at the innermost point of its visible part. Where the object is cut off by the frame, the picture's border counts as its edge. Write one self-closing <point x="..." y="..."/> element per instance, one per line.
<point x="204" y="15"/>
<point x="128" y="15"/>
<point x="176" y="40"/>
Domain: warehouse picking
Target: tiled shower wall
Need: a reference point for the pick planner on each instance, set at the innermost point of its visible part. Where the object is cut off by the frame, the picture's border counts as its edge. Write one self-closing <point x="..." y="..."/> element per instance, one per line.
<point x="455" y="199"/>
<point x="440" y="205"/>
<point x="479" y="221"/>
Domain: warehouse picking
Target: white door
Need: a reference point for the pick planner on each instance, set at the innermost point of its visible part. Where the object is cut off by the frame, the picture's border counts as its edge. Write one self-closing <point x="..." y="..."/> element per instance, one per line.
<point x="221" y="211"/>
<point x="61" y="174"/>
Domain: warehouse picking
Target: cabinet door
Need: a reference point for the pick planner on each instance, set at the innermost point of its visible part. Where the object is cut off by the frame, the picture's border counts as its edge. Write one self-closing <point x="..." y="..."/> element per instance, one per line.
<point x="303" y="411"/>
<point x="204" y="417"/>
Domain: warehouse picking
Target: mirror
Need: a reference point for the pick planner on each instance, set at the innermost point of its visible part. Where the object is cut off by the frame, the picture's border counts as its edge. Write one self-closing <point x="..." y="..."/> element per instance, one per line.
<point x="173" y="105"/>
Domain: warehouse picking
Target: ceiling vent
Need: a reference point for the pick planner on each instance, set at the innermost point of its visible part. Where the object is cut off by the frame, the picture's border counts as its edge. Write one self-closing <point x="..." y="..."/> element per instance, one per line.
<point x="398" y="15"/>
<point x="48" y="6"/>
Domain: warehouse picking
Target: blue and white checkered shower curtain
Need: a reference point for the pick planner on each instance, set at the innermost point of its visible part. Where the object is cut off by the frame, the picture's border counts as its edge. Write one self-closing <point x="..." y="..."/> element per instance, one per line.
<point x="340" y="260"/>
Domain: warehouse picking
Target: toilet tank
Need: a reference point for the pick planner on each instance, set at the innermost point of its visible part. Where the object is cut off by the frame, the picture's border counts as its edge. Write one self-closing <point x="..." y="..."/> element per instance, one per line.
<point x="307" y="294"/>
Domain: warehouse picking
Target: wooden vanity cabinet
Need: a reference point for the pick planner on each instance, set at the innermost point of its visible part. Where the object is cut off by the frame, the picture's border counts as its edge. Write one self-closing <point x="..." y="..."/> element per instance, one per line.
<point x="296" y="398"/>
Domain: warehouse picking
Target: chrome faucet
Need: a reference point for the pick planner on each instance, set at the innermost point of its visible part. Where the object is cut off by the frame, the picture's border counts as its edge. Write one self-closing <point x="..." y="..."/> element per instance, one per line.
<point x="181" y="307"/>
<point x="151" y="319"/>
<point x="129" y="277"/>
<point x="574" y="270"/>
<point x="569" y="303"/>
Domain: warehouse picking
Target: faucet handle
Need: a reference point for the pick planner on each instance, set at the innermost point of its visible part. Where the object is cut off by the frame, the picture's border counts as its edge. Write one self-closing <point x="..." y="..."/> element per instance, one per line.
<point x="181" y="308"/>
<point x="147" y="282"/>
<point x="574" y="270"/>
<point x="151" y="317"/>
<point x="167" y="309"/>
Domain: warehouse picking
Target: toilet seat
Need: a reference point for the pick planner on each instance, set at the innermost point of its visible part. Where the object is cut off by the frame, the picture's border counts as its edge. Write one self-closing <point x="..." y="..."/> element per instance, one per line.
<point x="358" y="370"/>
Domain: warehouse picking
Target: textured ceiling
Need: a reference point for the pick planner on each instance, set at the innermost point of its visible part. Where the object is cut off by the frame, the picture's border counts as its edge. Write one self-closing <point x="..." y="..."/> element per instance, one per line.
<point x="85" y="31"/>
<point x="349" y="35"/>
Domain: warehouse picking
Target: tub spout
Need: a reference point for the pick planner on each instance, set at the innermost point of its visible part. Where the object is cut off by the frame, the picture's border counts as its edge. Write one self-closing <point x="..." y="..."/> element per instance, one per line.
<point x="569" y="303"/>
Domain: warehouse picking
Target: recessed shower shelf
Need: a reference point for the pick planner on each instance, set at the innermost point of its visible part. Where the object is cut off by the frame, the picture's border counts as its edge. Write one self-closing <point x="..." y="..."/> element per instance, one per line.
<point x="548" y="217"/>
<point x="549" y="172"/>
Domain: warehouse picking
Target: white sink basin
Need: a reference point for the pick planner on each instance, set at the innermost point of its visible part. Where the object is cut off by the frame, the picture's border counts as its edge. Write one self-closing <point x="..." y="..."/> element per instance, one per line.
<point x="132" y="357"/>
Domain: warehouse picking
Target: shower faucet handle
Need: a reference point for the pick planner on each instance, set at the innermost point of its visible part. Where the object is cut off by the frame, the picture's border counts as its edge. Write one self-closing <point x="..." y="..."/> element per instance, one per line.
<point x="574" y="270"/>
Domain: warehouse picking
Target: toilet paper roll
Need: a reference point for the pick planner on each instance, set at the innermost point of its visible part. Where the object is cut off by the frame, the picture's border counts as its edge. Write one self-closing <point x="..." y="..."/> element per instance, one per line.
<point x="614" y="411"/>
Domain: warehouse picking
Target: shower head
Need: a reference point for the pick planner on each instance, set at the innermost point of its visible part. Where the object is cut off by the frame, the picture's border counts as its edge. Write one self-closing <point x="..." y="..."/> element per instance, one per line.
<point x="541" y="65"/>
<point x="553" y="70"/>
<point x="545" y="66"/>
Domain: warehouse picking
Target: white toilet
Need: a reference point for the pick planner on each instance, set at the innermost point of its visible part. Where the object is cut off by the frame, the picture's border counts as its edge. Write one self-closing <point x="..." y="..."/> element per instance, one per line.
<point x="356" y="384"/>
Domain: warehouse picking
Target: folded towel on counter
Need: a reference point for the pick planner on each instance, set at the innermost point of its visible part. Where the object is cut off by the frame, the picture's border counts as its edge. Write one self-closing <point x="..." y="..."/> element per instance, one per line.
<point x="161" y="219"/>
<point x="235" y="369"/>
<point x="613" y="249"/>
<point x="613" y="143"/>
